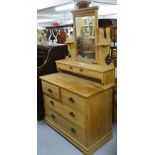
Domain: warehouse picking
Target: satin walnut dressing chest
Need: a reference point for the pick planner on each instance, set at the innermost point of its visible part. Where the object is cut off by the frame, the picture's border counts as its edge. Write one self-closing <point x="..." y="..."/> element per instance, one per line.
<point x="78" y="99"/>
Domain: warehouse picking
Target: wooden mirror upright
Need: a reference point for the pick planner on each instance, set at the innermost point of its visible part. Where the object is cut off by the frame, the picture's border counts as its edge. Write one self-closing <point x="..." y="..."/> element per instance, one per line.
<point x="88" y="53"/>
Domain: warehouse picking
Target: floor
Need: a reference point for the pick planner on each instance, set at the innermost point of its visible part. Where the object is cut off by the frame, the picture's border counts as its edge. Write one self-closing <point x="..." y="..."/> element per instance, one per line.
<point x="49" y="142"/>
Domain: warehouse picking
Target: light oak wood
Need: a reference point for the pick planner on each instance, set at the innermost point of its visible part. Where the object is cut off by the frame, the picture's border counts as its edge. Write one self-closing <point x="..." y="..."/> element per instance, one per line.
<point x="91" y="70"/>
<point x="99" y="111"/>
<point x="80" y="109"/>
<point x="72" y="100"/>
<point x="50" y="90"/>
<point x="92" y="67"/>
<point x="102" y="44"/>
<point x="108" y="77"/>
<point x="72" y="49"/>
<point x="94" y="117"/>
<point x="101" y="38"/>
<point x="73" y="84"/>
<point x="67" y="112"/>
<point x="68" y="127"/>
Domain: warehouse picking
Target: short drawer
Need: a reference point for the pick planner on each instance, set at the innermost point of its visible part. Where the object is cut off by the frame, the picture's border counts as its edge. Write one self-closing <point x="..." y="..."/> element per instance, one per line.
<point x="61" y="66"/>
<point x="66" y="67"/>
<point x="90" y="73"/>
<point x="71" y="68"/>
<point x="94" y="74"/>
<point x="72" y="130"/>
<point x="69" y="113"/>
<point x="81" y="71"/>
<point x="72" y="100"/>
<point x="50" y="90"/>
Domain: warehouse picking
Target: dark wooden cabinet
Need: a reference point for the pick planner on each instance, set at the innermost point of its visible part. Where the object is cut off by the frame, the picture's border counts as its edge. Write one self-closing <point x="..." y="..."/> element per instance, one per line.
<point x="46" y="57"/>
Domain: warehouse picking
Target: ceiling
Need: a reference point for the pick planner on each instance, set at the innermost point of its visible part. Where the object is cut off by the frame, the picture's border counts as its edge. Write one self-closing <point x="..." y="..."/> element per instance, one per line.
<point x="47" y="13"/>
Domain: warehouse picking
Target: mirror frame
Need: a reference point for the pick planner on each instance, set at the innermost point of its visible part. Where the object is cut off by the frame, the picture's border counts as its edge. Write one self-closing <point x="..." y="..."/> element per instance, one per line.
<point x="90" y="11"/>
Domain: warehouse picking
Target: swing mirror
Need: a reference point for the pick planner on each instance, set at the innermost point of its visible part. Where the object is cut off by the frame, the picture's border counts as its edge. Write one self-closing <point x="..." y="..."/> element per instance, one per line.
<point x="85" y="36"/>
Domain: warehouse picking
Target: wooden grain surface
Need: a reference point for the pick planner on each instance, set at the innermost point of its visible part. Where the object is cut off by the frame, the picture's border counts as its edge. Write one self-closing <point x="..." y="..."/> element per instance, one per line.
<point x="68" y="127"/>
<point x="50" y="90"/>
<point x="89" y="101"/>
<point x="73" y="84"/>
<point x="69" y="113"/>
<point x="93" y="67"/>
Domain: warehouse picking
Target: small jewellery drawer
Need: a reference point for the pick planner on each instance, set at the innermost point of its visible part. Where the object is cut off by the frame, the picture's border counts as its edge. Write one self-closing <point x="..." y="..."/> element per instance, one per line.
<point x="72" y="69"/>
<point x="65" y="126"/>
<point x="62" y="66"/>
<point x="81" y="71"/>
<point x="94" y="74"/>
<point x="50" y="90"/>
<point x="69" y="113"/>
<point x="72" y="100"/>
<point x="86" y="72"/>
<point x="66" y="67"/>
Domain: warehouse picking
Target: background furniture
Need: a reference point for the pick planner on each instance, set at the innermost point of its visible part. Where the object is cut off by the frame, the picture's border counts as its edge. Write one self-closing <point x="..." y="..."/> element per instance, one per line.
<point x="46" y="56"/>
<point x="58" y="34"/>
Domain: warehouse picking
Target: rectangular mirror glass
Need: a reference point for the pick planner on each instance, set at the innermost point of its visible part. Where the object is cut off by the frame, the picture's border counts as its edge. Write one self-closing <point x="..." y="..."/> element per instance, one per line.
<point x="85" y="36"/>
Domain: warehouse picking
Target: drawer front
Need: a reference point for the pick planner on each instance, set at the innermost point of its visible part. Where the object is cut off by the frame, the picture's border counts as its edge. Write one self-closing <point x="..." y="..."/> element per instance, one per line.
<point x="66" y="126"/>
<point x="50" y="90"/>
<point x="61" y="66"/>
<point x="72" y="100"/>
<point x="72" y="69"/>
<point x="66" y="67"/>
<point x="94" y="74"/>
<point x="88" y="73"/>
<point x="81" y="71"/>
<point x="69" y="113"/>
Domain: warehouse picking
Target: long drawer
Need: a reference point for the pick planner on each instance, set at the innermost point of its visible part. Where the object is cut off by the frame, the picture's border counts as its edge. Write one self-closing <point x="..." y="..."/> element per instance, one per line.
<point x="51" y="90"/>
<point x="72" y="100"/>
<point x="81" y="71"/>
<point x="72" y="130"/>
<point x="69" y="113"/>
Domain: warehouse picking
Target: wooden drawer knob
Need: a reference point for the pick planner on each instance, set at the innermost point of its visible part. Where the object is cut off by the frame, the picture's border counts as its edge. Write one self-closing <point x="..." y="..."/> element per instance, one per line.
<point x="52" y="102"/>
<point x="71" y="100"/>
<point x="73" y="130"/>
<point x="72" y="114"/>
<point x="53" y="117"/>
<point x="49" y="90"/>
<point x="81" y="70"/>
<point x="70" y="67"/>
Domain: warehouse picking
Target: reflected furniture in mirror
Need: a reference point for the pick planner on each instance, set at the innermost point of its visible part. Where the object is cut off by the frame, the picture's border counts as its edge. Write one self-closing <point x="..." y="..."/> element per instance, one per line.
<point x="85" y="36"/>
<point x="78" y="99"/>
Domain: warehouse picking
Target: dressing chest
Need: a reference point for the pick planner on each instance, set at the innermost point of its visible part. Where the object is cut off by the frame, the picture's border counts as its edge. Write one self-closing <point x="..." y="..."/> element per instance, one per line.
<point x="78" y="99"/>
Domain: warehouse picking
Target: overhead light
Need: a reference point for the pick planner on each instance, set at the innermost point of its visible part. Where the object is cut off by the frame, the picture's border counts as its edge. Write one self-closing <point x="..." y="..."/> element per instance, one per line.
<point x="65" y="7"/>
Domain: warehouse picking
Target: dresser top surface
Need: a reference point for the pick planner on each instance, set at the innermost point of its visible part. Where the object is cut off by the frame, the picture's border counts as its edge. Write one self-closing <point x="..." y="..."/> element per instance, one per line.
<point x="74" y="84"/>
<point x="94" y="67"/>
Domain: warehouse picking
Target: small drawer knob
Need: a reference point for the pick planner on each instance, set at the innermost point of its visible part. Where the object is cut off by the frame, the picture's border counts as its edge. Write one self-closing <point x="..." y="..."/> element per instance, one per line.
<point x="70" y="67"/>
<point x="73" y="130"/>
<point x="81" y="70"/>
<point x="72" y="114"/>
<point x="71" y="100"/>
<point x="52" y="102"/>
<point x="49" y="90"/>
<point x="53" y="116"/>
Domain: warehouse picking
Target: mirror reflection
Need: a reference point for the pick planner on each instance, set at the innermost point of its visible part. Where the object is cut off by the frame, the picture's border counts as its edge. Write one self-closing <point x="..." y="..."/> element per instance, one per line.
<point x="85" y="36"/>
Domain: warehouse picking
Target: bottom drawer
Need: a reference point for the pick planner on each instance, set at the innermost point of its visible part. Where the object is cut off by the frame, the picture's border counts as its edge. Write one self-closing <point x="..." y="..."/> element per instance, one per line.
<point x="66" y="126"/>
